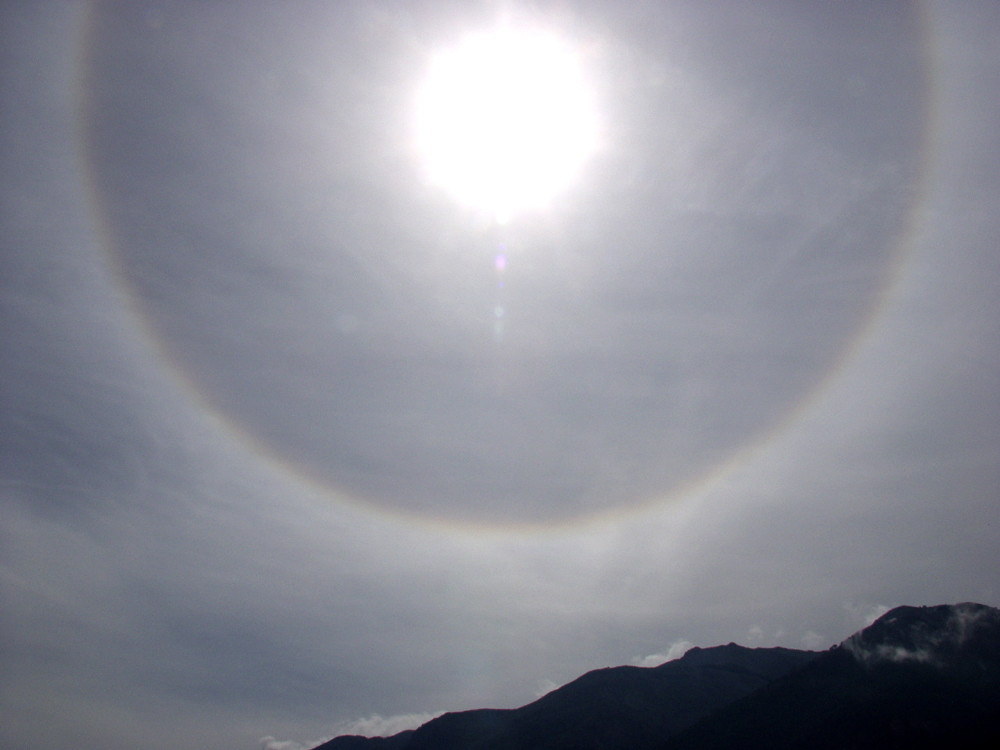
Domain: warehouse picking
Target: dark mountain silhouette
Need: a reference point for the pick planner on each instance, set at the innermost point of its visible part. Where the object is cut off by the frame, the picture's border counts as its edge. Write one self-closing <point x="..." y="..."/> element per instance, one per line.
<point x="915" y="677"/>
<point x="634" y="707"/>
<point x="918" y="677"/>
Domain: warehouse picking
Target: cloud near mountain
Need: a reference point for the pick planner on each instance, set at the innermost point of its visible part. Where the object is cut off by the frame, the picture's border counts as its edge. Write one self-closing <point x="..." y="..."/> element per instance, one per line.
<point x="933" y="638"/>
<point x="676" y="650"/>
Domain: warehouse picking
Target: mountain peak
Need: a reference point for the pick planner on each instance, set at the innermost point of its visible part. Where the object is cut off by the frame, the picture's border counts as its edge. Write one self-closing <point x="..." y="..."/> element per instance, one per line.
<point x="932" y="635"/>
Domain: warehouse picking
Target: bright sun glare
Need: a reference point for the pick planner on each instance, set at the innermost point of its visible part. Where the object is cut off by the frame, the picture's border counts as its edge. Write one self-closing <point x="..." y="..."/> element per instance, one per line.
<point x="505" y="120"/>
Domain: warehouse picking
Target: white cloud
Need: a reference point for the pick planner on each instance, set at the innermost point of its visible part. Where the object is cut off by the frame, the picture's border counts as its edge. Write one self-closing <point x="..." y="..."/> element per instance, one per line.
<point x="885" y="652"/>
<point x="270" y="743"/>
<point x="676" y="650"/>
<point x="964" y="618"/>
<point x="372" y="726"/>
<point x="384" y="726"/>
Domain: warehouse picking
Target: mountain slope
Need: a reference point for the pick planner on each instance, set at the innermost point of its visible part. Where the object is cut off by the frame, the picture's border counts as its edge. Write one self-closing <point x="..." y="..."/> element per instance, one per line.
<point x="631" y="707"/>
<point x="635" y="707"/>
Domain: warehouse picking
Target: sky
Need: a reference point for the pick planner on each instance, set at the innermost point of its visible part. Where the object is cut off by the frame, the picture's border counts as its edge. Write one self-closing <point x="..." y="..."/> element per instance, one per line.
<point x="299" y="440"/>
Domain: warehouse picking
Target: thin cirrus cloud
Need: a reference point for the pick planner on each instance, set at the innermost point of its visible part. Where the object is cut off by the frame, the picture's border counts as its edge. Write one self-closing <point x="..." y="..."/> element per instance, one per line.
<point x="644" y="344"/>
<point x="272" y="461"/>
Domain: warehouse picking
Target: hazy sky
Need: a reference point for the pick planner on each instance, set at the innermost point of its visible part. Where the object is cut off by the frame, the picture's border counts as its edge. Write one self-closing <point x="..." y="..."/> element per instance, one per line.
<point x="296" y="443"/>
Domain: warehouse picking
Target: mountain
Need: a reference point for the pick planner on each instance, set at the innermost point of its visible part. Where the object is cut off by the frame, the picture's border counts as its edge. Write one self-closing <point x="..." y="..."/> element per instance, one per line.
<point x="633" y="707"/>
<point x="917" y="677"/>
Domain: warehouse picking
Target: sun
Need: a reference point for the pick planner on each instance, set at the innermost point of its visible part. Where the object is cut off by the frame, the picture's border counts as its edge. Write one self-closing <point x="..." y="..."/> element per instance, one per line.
<point x="505" y="120"/>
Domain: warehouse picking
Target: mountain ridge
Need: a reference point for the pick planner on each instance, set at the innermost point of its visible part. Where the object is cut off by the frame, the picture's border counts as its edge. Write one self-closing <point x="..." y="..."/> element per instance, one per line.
<point x="917" y="677"/>
<point x="923" y="672"/>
